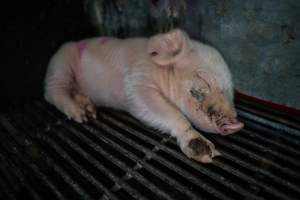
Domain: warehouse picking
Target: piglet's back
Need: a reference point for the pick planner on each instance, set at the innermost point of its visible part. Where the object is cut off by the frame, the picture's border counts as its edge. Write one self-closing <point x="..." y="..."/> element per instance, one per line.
<point x="102" y="69"/>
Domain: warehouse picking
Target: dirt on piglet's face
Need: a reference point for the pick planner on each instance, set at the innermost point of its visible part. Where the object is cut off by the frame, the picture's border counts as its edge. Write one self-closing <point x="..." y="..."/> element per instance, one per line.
<point x="203" y="106"/>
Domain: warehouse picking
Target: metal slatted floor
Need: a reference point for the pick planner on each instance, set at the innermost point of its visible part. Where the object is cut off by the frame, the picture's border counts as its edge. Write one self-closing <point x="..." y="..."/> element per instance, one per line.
<point x="45" y="156"/>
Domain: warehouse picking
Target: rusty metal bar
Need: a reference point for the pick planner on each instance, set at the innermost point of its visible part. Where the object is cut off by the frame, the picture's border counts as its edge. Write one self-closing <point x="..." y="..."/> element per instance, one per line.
<point x="178" y="155"/>
<point x="129" y="171"/>
<point x="117" y="157"/>
<point x="25" y="159"/>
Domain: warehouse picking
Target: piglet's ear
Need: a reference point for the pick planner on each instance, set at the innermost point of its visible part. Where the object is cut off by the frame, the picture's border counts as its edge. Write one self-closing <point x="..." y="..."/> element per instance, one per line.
<point x="166" y="49"/>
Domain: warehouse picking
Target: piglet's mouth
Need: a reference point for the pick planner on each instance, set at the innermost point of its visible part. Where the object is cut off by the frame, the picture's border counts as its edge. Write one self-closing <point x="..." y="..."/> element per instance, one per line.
<point x="226" y="125"/>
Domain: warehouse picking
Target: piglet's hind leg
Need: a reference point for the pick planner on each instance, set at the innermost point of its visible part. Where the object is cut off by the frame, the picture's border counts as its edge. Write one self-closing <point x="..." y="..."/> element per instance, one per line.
<point x="60" y="83"/>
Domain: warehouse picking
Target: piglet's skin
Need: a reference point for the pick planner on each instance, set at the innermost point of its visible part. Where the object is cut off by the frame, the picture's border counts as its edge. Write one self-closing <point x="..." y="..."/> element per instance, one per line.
<point x="167" y="81"/>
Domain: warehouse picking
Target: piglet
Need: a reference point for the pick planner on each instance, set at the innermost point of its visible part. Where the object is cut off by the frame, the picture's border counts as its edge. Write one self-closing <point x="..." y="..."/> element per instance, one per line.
<point x="168" y="81"/>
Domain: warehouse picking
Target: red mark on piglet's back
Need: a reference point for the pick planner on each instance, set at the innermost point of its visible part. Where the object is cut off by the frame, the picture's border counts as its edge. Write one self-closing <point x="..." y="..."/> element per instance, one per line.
<point x="81" y="46"/>
<point x="103" y="40"/>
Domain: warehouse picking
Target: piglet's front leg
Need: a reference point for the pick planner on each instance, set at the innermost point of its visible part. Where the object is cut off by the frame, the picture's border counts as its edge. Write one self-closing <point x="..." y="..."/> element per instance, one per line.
<point x="198" y="148"/>
<point x="154" y="109"/>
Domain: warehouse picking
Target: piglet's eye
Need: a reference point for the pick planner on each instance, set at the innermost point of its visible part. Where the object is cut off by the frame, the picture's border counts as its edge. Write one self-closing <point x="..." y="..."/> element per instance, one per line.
<point x="154" y="53"/>
<point x="198" y="94"/>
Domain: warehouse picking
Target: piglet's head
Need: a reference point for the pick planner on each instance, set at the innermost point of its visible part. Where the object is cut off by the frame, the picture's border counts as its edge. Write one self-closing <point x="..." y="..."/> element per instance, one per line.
<point x="169" y="48"/>
<point x="211" y="108"/>
<point x="203" y="99"/>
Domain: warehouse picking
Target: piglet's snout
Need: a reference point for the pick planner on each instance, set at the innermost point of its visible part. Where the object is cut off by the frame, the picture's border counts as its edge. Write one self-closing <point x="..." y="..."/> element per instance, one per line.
<point x="229" y="126"/>
<point x="226" y="125"/>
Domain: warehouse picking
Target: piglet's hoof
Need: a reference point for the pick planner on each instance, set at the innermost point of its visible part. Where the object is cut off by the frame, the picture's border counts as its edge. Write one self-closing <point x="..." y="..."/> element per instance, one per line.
<point x="86" y="105"/>
<point x="201" y="149"/>
<point x="75" y="112"/>
<point x="80" y="109"/>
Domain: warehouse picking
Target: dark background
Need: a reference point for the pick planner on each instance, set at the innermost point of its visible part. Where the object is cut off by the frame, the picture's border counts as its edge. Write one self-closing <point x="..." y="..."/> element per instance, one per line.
<point x="32" y="32"/>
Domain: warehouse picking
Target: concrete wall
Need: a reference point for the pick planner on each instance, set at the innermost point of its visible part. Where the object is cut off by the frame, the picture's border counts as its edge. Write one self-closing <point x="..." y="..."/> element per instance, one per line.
<point x="258" y="38"/>
<point x="260" y="41"/>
